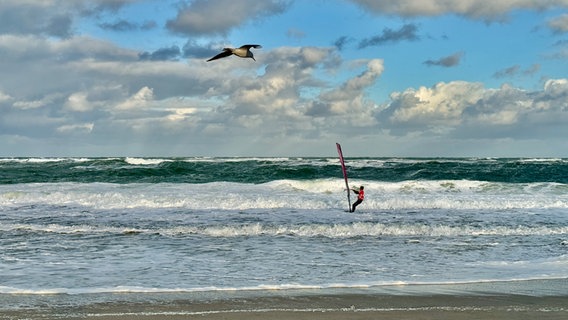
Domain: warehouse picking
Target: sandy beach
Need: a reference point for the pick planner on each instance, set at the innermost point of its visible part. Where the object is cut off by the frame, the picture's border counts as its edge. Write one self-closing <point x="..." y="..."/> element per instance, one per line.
<point x="329" y="307"/>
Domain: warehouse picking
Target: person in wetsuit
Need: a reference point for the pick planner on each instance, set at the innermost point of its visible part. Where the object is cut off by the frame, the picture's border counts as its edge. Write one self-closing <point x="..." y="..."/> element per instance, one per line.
<point x="360" y="197"/>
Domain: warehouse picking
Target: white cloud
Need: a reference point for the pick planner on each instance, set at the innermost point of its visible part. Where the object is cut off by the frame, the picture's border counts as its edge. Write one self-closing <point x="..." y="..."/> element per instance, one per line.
<point x="559" y="24"/>
<point x="139" y="100"/>
<point x="556" y="87"/>
<point x="500" y="117"/>
<point x="475" y="9"/>
<point x="278" y="90"/>
<point x="29" y="104"/>
<point x="78" y="102"/>
<point x="53" y="18"/>
<point x="84" y="127"/>
<point x="468" y="110"/>
<point x="4" y="97"/>
<point x="36" y="104"/>
<point x="349" y="97"/>
<point x="203" y="17"/>
<point x="442" y="104"/>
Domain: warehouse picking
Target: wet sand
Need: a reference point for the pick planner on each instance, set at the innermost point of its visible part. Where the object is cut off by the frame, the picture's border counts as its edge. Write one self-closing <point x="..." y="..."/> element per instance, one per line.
<point x="328" y="307"/>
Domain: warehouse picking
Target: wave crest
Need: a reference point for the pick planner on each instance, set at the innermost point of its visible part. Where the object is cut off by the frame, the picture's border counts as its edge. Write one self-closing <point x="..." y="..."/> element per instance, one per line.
<point x="347" y="230"/>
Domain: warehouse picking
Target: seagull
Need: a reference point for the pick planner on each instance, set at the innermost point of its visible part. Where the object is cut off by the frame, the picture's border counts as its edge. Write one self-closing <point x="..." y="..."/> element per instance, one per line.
<point x="243" y="52"/>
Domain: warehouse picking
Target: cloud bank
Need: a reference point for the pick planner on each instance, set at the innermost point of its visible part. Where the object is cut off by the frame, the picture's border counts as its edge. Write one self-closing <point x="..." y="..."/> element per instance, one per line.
<point x="74" y="94"/>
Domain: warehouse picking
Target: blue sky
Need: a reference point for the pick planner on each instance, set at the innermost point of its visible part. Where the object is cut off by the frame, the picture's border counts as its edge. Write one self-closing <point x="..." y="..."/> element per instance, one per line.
<point x="384" y="78"/>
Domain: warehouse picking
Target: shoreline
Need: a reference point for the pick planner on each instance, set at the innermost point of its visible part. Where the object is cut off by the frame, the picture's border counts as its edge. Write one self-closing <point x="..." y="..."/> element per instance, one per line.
<point x="507" y="300"/>
<point x="329" y="307"/>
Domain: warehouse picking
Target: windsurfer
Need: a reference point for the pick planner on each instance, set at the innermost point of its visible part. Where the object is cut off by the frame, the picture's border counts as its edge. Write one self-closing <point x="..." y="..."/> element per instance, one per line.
<point x="360" y="197"/>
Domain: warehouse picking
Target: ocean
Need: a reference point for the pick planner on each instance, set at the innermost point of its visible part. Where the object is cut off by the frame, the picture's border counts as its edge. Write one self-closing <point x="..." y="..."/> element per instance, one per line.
<point x="77" y="230"/>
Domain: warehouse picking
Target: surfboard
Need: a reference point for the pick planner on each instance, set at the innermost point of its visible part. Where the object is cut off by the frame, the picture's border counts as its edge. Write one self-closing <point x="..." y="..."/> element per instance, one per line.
<point x="344" y="175"/>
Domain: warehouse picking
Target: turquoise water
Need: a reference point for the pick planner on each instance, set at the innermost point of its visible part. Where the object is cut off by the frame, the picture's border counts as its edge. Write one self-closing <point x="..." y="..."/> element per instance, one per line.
<point x="262" y="170"/>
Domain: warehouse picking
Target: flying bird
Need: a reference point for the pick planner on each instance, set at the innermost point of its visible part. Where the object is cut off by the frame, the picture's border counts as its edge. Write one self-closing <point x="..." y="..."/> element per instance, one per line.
<point x="243" y="52"/>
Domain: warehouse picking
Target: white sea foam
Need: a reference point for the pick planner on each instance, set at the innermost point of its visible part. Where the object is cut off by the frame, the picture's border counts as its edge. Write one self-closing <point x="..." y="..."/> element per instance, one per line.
<point x="515" y="285"/>
<point x="73" y="229"/>
<point x="146" y="161"/>
<point x="239" y="159"/>
<point x="44" y="160"/>
<point x="319" y="194"/>
<point x="349" y="230"/>
<point x="367" y="229"/>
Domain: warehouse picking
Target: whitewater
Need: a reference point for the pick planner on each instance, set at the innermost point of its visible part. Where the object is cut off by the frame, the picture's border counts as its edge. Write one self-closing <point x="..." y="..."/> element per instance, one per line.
<point x="84" y="226"/>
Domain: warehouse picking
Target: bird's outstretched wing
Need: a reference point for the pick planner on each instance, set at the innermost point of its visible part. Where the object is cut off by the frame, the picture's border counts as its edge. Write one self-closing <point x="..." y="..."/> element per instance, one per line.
<point x="225" y="53"/>
<point x="248" y="46"/>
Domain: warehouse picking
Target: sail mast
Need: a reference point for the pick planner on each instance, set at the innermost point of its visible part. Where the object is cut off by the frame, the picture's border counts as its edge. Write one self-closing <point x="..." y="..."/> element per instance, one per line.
<point x="344" y="174"/>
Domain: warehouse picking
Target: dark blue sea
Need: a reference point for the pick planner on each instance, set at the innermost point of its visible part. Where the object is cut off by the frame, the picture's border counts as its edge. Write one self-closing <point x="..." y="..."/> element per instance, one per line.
<point x="86" y="227"/>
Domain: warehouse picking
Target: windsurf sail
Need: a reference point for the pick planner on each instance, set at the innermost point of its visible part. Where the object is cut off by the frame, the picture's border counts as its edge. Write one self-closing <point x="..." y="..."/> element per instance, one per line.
<point x="344" y="174"/>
